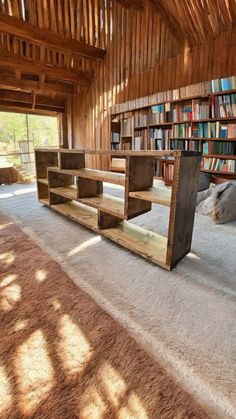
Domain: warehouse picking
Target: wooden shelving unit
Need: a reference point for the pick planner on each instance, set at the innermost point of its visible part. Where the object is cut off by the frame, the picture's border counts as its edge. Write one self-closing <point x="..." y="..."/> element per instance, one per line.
<point x="75" y="191"/>
<point x="142" y="127"/>
<point x="44" y="158"/>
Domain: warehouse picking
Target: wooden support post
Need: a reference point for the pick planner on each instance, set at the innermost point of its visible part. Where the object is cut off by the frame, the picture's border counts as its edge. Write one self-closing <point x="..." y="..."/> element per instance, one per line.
<point x="139" y="176"/>
<point x="182" y="209"/>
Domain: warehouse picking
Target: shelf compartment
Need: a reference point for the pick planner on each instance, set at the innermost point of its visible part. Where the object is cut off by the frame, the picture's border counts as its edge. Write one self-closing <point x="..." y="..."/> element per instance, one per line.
<point x="156" y="195"/>
<point x="106" y="203"/>
<point x="103" y="176"/>
<point x="79" y="213"/>
<point x="149" y="245"/>
<point x="69" y="191"/>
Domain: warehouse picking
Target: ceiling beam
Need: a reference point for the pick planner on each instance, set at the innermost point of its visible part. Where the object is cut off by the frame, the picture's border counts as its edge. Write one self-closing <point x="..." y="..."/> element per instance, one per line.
<point x="7" y="81"/>
<point x="54" y="73"/>
<point x="25" y="30"/>
<point x="4" y="104"/>
<point x="18" y="109"/>
<point x="27" y="98"/>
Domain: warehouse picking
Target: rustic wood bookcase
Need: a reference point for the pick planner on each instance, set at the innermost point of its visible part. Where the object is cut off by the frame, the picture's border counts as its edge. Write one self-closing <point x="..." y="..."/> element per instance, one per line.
<point x="67" y="186"/>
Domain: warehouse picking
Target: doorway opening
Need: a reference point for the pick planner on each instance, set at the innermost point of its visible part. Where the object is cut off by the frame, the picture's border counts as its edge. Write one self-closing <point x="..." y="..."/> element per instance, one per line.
<point x="19" y="135"/>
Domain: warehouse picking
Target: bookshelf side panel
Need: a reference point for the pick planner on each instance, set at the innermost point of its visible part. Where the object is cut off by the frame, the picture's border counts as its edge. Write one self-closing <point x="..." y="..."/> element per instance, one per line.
<point x="182" y="210"/>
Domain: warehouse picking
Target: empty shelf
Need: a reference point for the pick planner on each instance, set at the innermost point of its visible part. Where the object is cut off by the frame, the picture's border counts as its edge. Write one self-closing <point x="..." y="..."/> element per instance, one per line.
<point x="156" y="195"/>
<point x="150" y="245"/>
<point x="78" y="212"/>
<point x="110" y="177"/>
<point x="106" y="203"/>
<point x="44" y="181"/>
<point x="69" y="191"/>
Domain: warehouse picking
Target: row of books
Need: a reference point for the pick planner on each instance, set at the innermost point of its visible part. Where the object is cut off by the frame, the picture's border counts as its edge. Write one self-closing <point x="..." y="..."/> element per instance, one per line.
<point x="185" y="145"/>
<point x="197" y="89"/>
<point x="182" y="130"/>
<point x="219" y="147"/>
<point x="220" y="85"/>
<point x="168" y="171"/>
<point x="140" y="120"/>
<point x="182" y="112"/>
<point x="127" y="126"/>
<point x="219" y="165"/>
<point x="205" y="130"/>
<point x="223" y="106"/>
<point x="160" y="114"/>
<point x="200" y="109"/>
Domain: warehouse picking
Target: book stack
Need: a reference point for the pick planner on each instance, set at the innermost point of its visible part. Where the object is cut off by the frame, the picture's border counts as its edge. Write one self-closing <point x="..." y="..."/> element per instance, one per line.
<point x="219" y="165"/>
<point x="200" y="109"/>
<point x="160" y="114"/>
<point x="168" y="171"/>
<point x="138" y="143"/>
<point x="160" y="138"/>
<point x="127" y="127"/>
<point x="221" y="85"/>
<point x="223" y="106"/>
<point x="140" y="121"/>
<point x="182" y="130"/>
<point x="182" y="112"/>
<point x="219" y="147"/>
<point x="214" y="130"/>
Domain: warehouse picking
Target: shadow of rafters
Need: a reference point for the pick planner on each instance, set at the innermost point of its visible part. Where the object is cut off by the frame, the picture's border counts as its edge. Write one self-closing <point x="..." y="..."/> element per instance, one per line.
<point x="62" y="356"/>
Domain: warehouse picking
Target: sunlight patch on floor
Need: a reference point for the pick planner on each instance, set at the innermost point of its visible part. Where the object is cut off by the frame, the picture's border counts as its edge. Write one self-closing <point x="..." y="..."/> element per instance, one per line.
<point x="20" y="325"/>
<point x="7" y="280"/>
<point x="7" y="258"/>
<point x="40" y="275"/>
<point x="9" y="296"/>
<point x="132" y="409"/>
<point x="85" y="245"/>
<point x="5" y="392"/>
<point x="35" y="374"/>
<point x="114" y="384"/>
<point x="95" y="407"/>
<point x="74" y="349"/>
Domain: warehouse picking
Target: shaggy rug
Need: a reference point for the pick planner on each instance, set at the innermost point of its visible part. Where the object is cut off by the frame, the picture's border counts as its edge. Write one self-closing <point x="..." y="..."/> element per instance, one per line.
<point x="62" y="356"/>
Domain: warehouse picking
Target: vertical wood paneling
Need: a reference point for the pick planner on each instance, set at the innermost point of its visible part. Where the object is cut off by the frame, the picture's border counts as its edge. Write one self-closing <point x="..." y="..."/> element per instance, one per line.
<point x="143" y="57"/>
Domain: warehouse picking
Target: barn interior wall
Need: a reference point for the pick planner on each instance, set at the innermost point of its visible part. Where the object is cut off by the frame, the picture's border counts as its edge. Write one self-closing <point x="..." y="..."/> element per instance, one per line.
<point x="144" y="56"/>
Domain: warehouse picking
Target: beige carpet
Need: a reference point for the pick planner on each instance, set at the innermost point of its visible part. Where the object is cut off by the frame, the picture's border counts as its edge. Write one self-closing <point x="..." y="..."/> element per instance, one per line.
<point x="62" y="356"/>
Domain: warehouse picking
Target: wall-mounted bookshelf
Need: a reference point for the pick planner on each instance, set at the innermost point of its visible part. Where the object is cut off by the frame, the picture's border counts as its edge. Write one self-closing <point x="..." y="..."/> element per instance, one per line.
<point x="75" y="191"/>
<point x="205" y="122"/>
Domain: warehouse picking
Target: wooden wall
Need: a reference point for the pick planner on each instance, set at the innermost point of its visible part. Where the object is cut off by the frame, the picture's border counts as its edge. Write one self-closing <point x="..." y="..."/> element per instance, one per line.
<point x="143" y="57"/>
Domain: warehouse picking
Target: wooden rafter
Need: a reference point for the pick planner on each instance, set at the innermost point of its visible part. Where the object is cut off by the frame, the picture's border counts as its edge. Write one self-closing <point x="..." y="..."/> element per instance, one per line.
<point x="25" y="30"/>
<point x="55" y="73"/>
<point x="31" y="101"/>
<point x="7" y="81"/>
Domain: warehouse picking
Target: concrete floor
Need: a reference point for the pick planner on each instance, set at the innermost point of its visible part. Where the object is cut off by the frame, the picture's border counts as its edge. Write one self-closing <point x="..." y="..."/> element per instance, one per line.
<point x="185" y="318"/>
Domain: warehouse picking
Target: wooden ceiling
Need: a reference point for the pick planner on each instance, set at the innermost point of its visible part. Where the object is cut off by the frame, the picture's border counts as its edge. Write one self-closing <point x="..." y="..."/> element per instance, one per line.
<point x="52" y="47"/>
<point x="197" y="20"/>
